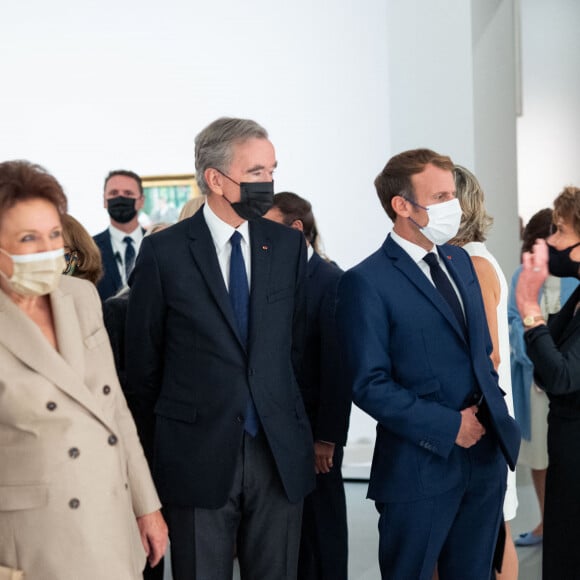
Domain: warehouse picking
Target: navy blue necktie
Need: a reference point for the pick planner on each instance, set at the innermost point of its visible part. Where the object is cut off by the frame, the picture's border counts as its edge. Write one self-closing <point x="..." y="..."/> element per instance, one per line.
<point x="129" y="256"/>
<point x="240" y="299"/>
<point x="445" y="288"/>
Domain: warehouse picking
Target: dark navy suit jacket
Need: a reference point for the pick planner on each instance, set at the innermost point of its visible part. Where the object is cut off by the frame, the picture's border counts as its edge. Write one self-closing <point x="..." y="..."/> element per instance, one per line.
<point x="189" y="375"/>
<point x="412" y="369"/>
<point x="111" y="282"/>
<point x="326" y="391"/>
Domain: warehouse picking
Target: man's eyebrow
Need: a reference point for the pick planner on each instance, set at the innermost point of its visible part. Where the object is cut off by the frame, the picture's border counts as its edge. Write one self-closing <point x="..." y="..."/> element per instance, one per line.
<point x="259" y="167"/>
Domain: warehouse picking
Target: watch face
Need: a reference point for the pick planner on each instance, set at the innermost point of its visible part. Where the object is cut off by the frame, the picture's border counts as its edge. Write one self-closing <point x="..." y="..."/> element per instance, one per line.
<point x="529" y="320"/>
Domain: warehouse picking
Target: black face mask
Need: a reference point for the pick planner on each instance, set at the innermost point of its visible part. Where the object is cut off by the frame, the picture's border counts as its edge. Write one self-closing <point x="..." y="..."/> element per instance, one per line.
<point x="256" y="198"/>
<point x="560" y="264"/>
<point x="121" y="209"/>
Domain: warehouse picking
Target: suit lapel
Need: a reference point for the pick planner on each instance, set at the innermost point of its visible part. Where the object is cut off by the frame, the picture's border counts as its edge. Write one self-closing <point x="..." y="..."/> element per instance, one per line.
<point x="261" y="252"/>
<point x="109" y="260"/>
<point x="565" y="322"/>
<point x="204" y="254"/>
<point x="30" y="346"/>
<point x="411" y="270"/>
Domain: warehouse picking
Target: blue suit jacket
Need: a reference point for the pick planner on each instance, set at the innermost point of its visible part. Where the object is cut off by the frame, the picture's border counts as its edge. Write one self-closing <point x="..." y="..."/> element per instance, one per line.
<point x="412" y="369"/>
<point x="111" y="282"/>
<point x="325" y="389"/>
<point x="189" y="375"/>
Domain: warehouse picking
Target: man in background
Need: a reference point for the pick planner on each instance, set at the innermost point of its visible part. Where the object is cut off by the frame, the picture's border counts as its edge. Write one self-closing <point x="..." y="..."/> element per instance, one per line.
<point x="120" y="242"/>
<point x="417" y="349"/>
<point x="215" y="333"/>
<point x="327" y="397"/>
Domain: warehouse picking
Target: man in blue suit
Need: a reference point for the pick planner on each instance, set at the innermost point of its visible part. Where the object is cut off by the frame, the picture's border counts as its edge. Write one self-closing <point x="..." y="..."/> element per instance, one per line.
<point x="327" y="397"/>
<point x="215" y="334"/>
<point x="123" y="198"/>
<point x="416" y="344"/>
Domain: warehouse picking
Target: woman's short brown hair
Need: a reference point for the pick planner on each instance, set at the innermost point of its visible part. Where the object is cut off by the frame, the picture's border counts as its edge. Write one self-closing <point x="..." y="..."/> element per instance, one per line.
<point x="567" y="207"/>
<point x="23" y="180"/>
<point x="89" y="265"/>
<point x="538" y="227"/>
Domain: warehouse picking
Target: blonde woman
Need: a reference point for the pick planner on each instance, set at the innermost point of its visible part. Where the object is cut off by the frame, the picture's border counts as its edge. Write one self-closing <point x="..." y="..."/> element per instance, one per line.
<point x="475" y="223"/>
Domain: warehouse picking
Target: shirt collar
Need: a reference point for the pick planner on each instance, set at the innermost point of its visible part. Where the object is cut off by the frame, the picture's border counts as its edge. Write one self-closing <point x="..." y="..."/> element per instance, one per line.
<point x="220" y="231"/>
<point x="417" y="253"/>
<point x="118" y="235"/>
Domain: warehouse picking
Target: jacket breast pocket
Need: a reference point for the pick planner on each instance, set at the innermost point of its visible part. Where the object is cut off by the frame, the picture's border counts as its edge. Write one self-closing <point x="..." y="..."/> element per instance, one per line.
<point x="22" y="497"/>
<point x="97" y="338"/>
<point x="282" y="294"/>
<point x="176" y="410"/>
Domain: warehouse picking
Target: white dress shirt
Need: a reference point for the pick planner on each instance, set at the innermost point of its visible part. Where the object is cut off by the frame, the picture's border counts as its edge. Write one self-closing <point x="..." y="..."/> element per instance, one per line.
<point x="221" y="232"/>
<point x="417" y="253"/>
<point x="119" y="247"/>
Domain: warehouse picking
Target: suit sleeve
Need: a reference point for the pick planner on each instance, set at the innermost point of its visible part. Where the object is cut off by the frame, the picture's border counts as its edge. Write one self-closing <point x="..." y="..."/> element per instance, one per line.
<point x="364" y="332"/>
<point x="335" y="392"/>
<point x="144" y="340"/>
<point x="555" y="371"/>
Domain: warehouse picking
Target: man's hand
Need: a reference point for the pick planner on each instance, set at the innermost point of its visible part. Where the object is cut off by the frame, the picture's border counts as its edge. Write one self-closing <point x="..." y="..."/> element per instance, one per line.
<point x="153" y="531"/>
<point x="470" y="430"/>
<point x="323" y="453"/>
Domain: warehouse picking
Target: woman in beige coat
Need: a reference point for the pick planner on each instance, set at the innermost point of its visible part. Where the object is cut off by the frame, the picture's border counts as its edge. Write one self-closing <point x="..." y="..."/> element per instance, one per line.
<point x="76" y="497"/>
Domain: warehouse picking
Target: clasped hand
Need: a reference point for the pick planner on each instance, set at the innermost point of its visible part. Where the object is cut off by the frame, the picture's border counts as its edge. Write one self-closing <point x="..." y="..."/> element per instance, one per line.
<point x="470" y="430"/>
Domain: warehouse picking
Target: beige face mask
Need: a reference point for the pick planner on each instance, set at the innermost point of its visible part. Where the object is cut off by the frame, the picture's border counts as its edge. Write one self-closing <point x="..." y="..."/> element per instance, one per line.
<point x="35" y="274"/>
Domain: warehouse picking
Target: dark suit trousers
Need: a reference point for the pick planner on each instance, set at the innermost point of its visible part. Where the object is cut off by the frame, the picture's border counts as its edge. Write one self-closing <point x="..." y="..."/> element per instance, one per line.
<point x="324" y="541"/>
<point x="258" y="519"/>
<point x="457" y="529"/>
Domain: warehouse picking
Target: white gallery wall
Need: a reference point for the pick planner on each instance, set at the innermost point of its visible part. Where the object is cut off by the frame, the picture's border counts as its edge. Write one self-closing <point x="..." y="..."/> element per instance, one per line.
<point x="93" y="86"/>
<point x="549" y="128"/>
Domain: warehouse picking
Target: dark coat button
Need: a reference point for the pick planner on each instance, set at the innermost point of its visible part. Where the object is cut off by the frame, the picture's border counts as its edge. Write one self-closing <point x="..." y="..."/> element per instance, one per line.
<point x="106" y="389"/>
<point x="240" y="418"/>
<point x="51" y="405"/>
<point x="73" y="452"/>
<point x="74" y="503"/>
<point x="112" y="440"/>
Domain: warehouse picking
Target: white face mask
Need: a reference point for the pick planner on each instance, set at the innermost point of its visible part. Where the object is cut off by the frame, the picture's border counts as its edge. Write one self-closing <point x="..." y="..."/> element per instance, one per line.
<point x="35" y="274"/>
<point x="444" y="220"/>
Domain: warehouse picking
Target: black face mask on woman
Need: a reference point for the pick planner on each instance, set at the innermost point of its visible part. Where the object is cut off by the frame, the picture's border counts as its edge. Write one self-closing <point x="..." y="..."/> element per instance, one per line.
<point x="256" y="198"/>
<point x="560" y="264"/>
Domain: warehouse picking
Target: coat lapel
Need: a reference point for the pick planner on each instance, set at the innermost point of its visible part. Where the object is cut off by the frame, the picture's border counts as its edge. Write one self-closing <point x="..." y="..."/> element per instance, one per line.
<point x="261" y="252"/>
<point x="411" y="270"/>
<point x="30" y="346"/>
<point x="565" y="322"/>
<point x="204" y="254"/>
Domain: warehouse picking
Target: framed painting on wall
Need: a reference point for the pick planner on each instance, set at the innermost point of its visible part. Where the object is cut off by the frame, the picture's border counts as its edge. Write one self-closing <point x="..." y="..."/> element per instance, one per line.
<point x="165" y="196"/>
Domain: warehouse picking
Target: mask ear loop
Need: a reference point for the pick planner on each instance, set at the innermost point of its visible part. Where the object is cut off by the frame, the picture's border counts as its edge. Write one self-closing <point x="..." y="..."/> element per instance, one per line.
<point x="416" y="205"/>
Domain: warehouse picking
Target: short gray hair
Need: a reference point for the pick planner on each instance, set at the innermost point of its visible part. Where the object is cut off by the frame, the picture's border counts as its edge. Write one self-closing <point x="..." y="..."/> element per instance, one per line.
<point x="214" y="145"/>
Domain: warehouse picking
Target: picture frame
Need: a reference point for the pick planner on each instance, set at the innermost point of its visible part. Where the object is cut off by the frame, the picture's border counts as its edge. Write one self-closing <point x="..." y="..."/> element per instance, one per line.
<point x="165" y="195"/>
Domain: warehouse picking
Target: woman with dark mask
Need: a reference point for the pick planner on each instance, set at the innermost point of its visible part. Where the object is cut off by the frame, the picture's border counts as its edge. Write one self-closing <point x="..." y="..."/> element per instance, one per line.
<point x="554" y="349"/>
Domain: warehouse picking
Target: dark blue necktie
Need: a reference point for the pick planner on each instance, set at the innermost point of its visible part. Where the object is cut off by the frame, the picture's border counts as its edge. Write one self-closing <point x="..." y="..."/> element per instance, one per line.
<point x="445" y="288"/>
<point x="240" y="299"/>
<point x="129" y="256"/>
